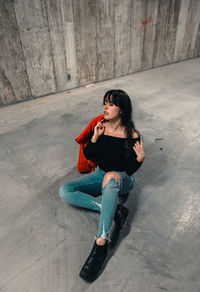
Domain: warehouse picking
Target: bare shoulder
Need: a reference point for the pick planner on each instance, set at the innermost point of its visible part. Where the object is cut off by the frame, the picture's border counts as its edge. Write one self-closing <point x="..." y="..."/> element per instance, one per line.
<point x="135" y="135"/>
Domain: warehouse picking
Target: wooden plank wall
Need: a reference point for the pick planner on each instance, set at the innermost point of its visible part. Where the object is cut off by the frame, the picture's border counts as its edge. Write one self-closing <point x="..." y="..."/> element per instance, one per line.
<point x="14" y="81"/>
<point x="49" y="46"/>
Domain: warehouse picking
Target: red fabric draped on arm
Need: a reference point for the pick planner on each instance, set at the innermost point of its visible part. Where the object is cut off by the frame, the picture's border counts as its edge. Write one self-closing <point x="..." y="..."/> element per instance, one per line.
<point x="84" y="165"/>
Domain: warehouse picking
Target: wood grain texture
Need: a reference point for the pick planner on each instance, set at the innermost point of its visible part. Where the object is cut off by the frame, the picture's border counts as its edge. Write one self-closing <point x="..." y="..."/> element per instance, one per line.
<point x="191" y="29"/>
<point x="167" y="23"/>
<point x="122" y="36"/>
<point x="105" y="29"/>
<point x="86" y="40"/>
<point x="63" y="43"/>
<point x="197" y="45"/>
<point x="14" y="83"/>
<point x="136" y="35"/>
<point x="149" y="24"/>
<point x="181" y="30"/>
<point x="58" y="45"/>
<point x="32" y="20"/>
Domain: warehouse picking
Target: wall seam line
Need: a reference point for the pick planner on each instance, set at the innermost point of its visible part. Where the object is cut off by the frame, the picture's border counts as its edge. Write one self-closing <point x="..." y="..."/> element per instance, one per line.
<point x="51" y="47"/>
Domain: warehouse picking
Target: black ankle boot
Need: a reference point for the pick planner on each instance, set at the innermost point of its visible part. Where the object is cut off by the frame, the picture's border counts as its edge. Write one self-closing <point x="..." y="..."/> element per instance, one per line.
<point x="94" y="262"/>
<point x="120" y="216"/>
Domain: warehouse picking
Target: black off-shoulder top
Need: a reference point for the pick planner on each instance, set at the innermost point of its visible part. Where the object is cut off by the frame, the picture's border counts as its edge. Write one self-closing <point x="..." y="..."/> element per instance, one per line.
<point x="109" y="153"/>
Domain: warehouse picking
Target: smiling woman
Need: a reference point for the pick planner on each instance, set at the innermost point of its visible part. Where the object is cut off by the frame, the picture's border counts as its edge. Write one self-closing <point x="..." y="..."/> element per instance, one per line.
<point x="118" y="150"/>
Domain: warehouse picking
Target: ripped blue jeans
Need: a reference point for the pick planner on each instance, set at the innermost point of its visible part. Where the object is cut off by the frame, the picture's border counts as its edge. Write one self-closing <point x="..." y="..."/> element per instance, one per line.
<point x="80" y="192"/>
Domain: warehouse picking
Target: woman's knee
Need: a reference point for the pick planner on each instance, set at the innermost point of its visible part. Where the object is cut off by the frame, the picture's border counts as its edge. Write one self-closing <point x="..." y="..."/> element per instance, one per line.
<point x="64" y="191"/>
<point x="109" y="175"/>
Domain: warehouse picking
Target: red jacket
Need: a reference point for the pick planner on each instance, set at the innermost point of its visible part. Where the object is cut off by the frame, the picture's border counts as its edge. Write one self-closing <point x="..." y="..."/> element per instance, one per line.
<point x="84" y="165"/>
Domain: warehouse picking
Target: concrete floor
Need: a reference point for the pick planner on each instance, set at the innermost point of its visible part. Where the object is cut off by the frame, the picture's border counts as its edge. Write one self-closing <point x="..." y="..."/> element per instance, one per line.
<point x="44" y="241"/>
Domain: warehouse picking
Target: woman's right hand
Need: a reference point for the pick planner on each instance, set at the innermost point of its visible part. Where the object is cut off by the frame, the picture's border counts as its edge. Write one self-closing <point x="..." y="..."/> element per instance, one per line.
<point x="98" y="130"/>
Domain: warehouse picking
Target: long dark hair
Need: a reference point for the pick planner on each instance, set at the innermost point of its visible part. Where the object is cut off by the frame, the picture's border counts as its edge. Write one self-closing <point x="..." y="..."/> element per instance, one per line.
<point x="120" y="98"/>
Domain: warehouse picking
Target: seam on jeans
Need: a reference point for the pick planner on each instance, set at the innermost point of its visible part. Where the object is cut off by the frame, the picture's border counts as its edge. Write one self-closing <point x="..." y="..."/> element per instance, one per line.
<point x="103" y="235"/>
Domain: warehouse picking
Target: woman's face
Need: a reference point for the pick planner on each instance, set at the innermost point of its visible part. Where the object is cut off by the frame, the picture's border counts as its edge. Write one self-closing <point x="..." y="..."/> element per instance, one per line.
<point x="111" y="111"/>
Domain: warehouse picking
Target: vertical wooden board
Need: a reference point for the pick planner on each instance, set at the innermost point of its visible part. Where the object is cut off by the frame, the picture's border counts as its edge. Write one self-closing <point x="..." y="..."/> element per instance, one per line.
<point x="70" y="52"/>
<point x="57" y="43"/>
<point x="85" y="33"/>
<point x="105" y="39"/>
<point x="122" y="36"/>
<point x="197" y="45"/>
<point x="149" y="23"/>
<point x="70" y="44"/>
<point x="34" y="32"/>
<point x="180" y="30"/>
<point x="195" y="31"/>
<point x="63" y="43"/>
<point x="14" y="84"/>
<point x="168" y="12"/>
<point x="191" y="29"/>
<point x="136" y="35"/>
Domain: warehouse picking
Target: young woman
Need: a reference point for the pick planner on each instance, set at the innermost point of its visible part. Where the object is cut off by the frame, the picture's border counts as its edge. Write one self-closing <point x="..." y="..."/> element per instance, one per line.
<point x="118" y="151"/>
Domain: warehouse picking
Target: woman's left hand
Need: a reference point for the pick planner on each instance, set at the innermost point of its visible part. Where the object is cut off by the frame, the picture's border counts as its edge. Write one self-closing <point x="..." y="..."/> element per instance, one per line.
<point x="139" y="150"/>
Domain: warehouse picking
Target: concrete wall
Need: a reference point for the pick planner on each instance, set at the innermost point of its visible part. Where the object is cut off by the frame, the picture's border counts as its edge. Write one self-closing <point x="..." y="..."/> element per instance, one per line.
<point x="50" y="46"/>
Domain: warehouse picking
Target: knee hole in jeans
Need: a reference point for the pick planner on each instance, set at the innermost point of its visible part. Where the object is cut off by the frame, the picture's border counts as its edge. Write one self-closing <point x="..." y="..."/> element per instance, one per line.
<point x="110" y="175"/>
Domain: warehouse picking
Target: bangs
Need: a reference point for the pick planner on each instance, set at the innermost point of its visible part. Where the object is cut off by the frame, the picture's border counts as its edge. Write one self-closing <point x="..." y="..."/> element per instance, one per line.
<point x="111" y="97"/>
